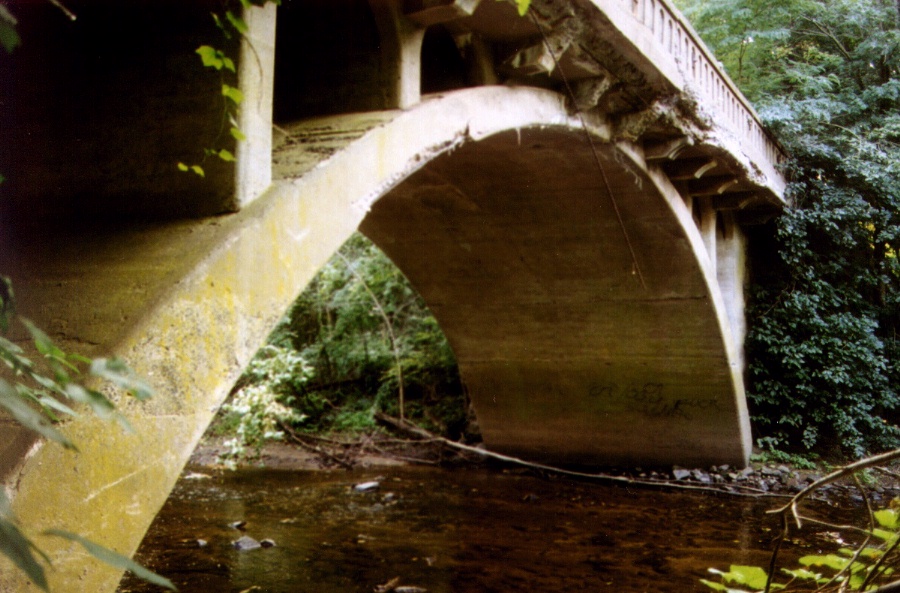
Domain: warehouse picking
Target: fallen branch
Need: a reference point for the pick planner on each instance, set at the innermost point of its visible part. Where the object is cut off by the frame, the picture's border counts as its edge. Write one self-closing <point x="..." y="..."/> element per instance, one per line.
<point x="791" y="509"/>
<point x="835" y="475"/>
<point x="412" y="429"/>
<point x="314" y="448"/>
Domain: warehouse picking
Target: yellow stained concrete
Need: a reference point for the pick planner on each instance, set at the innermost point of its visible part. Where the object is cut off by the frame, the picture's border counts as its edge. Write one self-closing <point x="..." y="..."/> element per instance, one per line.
<point x="187" y="304"/>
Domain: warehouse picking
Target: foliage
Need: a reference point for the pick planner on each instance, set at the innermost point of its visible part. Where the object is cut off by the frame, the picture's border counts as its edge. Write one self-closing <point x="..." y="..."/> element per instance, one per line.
<point x="355" y="336"/>
<point x="367" y="334"/>
<point x="37" y="392"/>
<point x="255" y="411"/>
<point x="864" y="565"/>
<point x="823" y="312"/>
<point x="231" y="25"/>
<point x="773" y="455"/>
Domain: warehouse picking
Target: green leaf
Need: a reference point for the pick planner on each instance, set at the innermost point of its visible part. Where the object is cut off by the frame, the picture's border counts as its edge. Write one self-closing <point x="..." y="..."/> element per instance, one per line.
<point x="830" y="560"/>
<point x="198" y="170"/>
<point x="42" y="341"/>
<point x="806" y="575"/>
<point x="28" y="417"/>
<point x="19" y="549"/>
<point x="867" y="552"/>
<point x="54" y="404"/>
<point x="232" y="93"/>
<point x="13" y="355"/>
<point x="220" y="25"/>
<point x="887" y="518"/>
<point x="7" y="303"/>
<point x="47" y="383"/>
<point x="237" y="134"/>
<point x="98" y="402"/>
<point x="225" y="155"/>
<point x="237" y="22"/>
<point x="721" y="587"/>
<point x="114" y="559"/>
<point x="211" y="57"/>
<point x="120" y="374"/>
<point x="884" y="534"/>
<point x="54" y="355"/>
<point x="183" y="167"/>
<point x="9" y="38"/>
<point x="228" y="63"/>
<point x="752" y="576"/>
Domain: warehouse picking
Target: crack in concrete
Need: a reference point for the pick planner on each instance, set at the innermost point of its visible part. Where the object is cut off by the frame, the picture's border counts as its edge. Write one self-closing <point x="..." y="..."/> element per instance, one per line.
<point x="113" y="484"/>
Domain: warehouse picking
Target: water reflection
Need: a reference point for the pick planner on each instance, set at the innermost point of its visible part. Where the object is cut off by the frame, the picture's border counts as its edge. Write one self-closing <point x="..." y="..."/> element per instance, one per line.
<point x="445" y="531"/>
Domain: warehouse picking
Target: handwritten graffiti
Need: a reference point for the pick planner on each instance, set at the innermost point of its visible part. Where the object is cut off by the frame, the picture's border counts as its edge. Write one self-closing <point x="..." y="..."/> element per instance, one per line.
<point x="651" y="400"/>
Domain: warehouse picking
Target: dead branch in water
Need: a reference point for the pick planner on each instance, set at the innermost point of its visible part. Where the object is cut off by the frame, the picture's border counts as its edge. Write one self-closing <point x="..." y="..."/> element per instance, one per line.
<point x="411" y="429"/>
<point x="299" y="440"/>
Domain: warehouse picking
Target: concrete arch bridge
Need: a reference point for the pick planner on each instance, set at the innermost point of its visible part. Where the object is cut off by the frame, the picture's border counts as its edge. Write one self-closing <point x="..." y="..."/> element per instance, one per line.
<point x="567" y="190"/>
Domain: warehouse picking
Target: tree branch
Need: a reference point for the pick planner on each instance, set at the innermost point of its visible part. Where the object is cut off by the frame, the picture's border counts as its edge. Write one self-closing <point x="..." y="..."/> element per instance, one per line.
<point x="388" y="325"/>
<point x="410" y="428"/>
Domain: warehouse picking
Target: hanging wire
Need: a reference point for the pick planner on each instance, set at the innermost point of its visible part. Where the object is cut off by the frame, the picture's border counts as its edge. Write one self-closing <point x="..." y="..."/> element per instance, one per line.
<point x="594" y="151"/>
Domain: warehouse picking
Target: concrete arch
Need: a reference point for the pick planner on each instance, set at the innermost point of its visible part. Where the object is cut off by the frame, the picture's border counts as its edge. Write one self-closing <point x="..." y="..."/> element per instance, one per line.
<point x="572" y="348"/>
<point x="190" y="302"/>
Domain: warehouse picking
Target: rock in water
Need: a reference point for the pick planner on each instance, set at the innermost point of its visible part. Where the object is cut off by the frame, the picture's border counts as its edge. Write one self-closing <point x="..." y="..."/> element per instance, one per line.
<point x="246" y="543"/>
<point x="366" y="486"/>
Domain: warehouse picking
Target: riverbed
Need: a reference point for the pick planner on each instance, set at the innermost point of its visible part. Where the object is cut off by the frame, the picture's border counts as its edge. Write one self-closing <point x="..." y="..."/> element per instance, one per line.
<point x="445" y="530"/>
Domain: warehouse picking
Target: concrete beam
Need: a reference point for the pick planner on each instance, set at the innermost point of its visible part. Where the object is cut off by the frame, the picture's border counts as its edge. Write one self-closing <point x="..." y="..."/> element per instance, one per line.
<point x="687" y="169"/>
<point x="666" y="150"/>
<point x="541" y="57"/>
<point x="731" y="274"/>
<point x="712" y="186"/>
<point x="401" y="54"/>
<point x="256" y="79"/>
<point x="589" y="92"/>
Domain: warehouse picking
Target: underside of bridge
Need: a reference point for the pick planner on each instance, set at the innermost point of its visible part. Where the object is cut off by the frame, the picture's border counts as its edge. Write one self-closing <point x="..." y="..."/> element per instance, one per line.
<point x="581" y="337"/>
<point x="582" y="251"/>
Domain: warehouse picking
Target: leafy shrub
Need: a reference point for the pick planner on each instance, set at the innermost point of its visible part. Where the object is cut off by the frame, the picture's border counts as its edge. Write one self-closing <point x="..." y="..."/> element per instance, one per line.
<point x="256" y="409"/>
<point x="356" y="335"/>
<point x="366" y="332"/>
<point x="847" y="569"/>
<point x="823" y="310"/>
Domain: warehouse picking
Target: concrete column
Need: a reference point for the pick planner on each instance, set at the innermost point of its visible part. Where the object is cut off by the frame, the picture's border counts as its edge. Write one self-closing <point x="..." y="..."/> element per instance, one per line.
<point x="707" y="226"/>
<point x="256" y="78"/>
<point x="401" y="54"/>
<point x="731" y="271"/>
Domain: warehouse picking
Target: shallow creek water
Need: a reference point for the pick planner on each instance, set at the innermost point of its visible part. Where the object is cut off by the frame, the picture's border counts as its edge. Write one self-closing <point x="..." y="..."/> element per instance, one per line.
<point x="463" y="530"/>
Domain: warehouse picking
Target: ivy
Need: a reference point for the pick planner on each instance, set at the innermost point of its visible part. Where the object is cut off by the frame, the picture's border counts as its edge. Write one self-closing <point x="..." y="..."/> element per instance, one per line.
<point x="230" y="24"/>
<point x="823" y="310"/>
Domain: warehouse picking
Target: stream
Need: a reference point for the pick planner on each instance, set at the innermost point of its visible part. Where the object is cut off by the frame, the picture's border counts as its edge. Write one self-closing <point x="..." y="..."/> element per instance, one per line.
<point x="445" y="530"/>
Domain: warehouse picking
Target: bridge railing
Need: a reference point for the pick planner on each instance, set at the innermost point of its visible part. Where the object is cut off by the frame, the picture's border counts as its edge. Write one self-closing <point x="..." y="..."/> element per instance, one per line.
<point x="702" y="72"/>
